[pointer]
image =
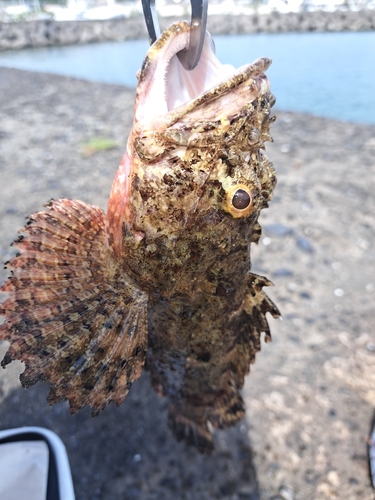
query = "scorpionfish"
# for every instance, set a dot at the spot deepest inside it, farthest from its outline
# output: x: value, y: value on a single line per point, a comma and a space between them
x: 163, y: 279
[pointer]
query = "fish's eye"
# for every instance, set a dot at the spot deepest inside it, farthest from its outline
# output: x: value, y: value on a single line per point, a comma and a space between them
x: 240, y: 200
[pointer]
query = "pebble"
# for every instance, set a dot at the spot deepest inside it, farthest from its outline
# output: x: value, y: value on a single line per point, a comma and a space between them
x: 73, y: 441
x: 361, y: 242
x: 285, y: 148
x: 282, y: 272
x: 333, y: 478
x: 133, y: 493
x: 11, y: 211
x: 305, y: 245
x: 266, y: 241
x: 292, y: 286
x: 284, y: 493
x: 279, y: 230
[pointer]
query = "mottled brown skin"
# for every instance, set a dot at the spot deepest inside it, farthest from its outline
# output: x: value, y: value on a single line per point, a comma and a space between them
x: 165, y: 278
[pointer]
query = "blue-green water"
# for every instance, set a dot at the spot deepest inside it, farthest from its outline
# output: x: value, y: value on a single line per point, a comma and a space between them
x: 327, y: 74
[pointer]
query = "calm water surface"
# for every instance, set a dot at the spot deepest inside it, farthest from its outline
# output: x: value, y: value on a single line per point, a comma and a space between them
x: 327, y: 74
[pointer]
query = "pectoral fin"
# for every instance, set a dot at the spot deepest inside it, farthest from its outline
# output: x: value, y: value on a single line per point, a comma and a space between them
x: 70, y: 314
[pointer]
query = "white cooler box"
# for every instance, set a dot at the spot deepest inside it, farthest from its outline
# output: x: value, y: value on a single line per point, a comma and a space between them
x: 34, y: 465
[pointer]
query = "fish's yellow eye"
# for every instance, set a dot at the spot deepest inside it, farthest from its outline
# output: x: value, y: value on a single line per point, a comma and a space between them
x: 239, y: 201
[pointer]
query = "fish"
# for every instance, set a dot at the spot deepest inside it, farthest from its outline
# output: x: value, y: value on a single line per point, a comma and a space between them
x: 163, y: 279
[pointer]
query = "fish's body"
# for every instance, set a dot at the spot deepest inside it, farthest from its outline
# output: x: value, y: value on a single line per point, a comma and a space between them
x: 164, y: 278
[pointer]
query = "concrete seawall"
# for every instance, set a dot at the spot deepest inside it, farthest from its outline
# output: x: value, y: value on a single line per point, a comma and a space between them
x: 48, y: 32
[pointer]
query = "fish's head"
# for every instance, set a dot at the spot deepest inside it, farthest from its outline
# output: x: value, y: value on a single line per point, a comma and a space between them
x: 195, y: 157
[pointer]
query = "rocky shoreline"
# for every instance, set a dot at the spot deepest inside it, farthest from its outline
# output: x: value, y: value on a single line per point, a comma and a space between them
x: 310, y: 395
x: 42, y: 33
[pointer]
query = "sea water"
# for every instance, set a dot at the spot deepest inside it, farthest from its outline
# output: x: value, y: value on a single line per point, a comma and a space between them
x: 327, y: 74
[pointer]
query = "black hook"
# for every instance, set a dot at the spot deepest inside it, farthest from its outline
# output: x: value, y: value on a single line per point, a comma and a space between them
x: 189, y: 58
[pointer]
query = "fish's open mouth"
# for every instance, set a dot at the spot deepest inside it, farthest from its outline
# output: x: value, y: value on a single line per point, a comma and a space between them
x: 182, y: 86
x: 171, y: 101
x: 165, y: 85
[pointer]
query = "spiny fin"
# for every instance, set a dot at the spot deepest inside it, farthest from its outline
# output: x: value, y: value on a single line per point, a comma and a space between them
x: 257, y: 304
x: 70, y: 315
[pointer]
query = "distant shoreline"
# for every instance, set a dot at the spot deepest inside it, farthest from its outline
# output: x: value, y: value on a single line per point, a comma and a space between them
x: 42, y: 33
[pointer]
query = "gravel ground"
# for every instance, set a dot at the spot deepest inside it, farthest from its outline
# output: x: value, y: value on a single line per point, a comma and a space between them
x: 310, y: 397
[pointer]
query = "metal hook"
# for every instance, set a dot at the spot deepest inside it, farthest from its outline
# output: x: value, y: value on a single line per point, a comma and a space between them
x: 189, y: 58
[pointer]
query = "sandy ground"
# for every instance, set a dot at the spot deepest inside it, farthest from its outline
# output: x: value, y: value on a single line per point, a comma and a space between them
x: 311, y: 394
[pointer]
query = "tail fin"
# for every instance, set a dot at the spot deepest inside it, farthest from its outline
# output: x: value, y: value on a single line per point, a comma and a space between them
x: 70, y: 315
x: 193, y: 430
x: 229, y: 407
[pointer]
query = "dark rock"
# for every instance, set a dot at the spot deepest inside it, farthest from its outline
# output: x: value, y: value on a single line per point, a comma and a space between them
x: 282, y: 272
x: 132, y: 493
x: 278, y: 230
x: 305, y: 245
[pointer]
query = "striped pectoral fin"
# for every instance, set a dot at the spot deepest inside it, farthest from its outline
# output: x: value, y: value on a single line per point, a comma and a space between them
x: 257, y: 304
x: 70, y: 315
